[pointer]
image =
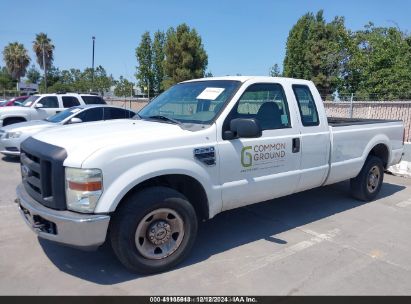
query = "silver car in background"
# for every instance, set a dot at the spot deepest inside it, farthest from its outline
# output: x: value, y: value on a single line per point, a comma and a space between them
x: 13, y: 135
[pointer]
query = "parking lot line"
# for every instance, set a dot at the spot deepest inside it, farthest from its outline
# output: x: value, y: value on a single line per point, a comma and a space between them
x: 286, y: 252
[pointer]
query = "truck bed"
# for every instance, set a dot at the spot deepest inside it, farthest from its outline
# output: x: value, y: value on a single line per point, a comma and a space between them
x: 343, y: 122
x: 351, y: 140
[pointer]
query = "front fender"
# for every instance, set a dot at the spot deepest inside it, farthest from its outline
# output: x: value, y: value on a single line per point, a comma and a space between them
x: 114, y: 192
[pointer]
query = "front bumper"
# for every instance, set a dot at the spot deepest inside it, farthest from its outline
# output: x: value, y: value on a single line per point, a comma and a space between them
x: 84, y: 231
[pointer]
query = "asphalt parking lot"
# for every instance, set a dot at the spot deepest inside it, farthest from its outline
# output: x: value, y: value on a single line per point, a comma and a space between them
x: 316, y: 242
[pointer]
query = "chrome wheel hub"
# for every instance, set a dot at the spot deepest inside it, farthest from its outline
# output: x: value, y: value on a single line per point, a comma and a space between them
x: 374, y: 177
x: 159, y: 232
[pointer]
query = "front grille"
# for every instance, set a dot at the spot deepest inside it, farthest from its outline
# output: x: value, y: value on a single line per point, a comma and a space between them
x: 43, y: 172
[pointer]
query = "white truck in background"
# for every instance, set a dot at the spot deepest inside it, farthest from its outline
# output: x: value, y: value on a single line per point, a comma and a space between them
x: 202, y: 147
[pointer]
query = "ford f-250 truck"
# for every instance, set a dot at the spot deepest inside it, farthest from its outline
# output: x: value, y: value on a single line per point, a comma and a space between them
x: 201, y: 147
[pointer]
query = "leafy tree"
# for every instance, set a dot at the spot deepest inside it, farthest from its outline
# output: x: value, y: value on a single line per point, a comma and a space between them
x: 208, y: 74
x: 6, y: 81
x: 158, y: 59
x: 275, y: 71
x: 33, y: 75
x: 185, y: 57
x: 144, y: 56
x: 102, y: 82
x: 380, y: 65
x: 17, y: 59
x: 317, y: 50
x: 123, y: 88
x: 53, y: 76
x: 74, y: 80
x: 295, y: 63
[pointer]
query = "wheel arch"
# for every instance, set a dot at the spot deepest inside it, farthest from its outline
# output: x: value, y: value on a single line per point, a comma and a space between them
x: 382, y: 152
x: 378, y: 146
x: 185, y: 184
x: 19, y: 118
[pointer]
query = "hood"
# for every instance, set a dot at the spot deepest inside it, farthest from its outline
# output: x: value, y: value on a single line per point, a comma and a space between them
x: 12, y: 109
x: 87, y: 138
x: 29, y: 126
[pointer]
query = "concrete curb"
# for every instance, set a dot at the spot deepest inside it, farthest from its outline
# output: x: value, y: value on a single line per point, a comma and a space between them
x: 404, y: 167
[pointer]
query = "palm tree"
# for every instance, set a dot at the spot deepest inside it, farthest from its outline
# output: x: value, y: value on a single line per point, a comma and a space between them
x: 43, y: 48
x: 43, y: 42
x: 17, y: 59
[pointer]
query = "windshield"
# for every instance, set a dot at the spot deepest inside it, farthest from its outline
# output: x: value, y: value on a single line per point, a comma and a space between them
x: 59, y: 117
x: 29, y: 101
x: 192, y: 102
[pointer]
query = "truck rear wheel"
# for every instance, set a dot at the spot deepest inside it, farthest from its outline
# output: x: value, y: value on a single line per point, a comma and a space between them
x: 367, y: 184
x: 153, y: 230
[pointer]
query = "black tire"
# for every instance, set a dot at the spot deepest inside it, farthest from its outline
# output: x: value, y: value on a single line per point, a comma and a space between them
x: 13, y: 121
x: 361, y: 186
x: 132, y: 214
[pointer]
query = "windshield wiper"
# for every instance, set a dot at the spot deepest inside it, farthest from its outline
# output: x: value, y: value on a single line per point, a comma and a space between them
x: 165, y: 118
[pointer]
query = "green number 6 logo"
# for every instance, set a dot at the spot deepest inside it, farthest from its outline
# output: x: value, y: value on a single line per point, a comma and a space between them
x: 246, y: 158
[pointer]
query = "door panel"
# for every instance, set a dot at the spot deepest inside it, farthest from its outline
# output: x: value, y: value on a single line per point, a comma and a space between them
x: 258, y: 169
x: 50, y: 107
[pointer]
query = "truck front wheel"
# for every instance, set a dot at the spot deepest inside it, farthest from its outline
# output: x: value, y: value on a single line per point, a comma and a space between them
x: 153, y: 230
x: 367, y: 184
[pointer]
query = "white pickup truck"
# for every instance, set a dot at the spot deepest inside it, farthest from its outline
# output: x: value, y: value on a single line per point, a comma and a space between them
x: 202, y: 147
x: 44, y: 105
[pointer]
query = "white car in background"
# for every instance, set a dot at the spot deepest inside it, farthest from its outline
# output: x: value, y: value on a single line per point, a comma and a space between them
x: 13, y: 135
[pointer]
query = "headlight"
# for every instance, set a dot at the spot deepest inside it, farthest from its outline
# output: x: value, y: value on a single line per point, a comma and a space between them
x: 83, y: 189
x: 13, y: 134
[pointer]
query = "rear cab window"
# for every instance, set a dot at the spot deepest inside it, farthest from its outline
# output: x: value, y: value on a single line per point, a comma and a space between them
x: 93, y: 114
x: 70, y: 101
x: 93, y: 100
x: 306, y: 105
x: 116, y: 113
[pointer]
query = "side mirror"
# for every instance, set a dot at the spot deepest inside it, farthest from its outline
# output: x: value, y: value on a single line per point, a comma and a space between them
x: 243, y: 128
x: 75, y: 120
x: 38, y: 105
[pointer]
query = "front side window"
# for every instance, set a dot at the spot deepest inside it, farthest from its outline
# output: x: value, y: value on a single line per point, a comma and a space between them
x: 49, y: 102
x: 306, y: 105
x: 59, y: 117
x: 29, y: 101
x: 266, y: 103
x: 197, y: 102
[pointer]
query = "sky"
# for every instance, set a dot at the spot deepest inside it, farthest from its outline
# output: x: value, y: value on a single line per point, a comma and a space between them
x: 240, y: 37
